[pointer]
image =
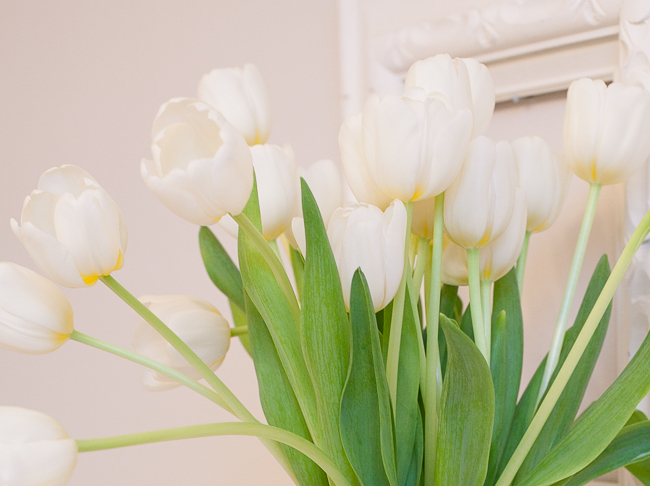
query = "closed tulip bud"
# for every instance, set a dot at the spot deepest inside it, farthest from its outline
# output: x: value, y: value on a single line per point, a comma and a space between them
x: 479, y: 204
x: 72, y: 228
x: 544, y: 177
x: 414, y: 148
x: 196, y: 322
x: 606, y: 130
x: 465, y: 82
x: 35, y: 315
x: 364, y: 236
x: 496, y: 258
x: 34, y: 449
x: 353, y: 158
x: 277, y: 187
x: 202, y: 168
x: 240, y: 96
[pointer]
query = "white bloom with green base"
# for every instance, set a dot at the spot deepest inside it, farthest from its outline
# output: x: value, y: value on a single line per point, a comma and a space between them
x: 196, y: 322
x: 239, y: 94
x: 202, y: 168
x: 34, y: 449
x: 72, y: 228
x: 35, y: 315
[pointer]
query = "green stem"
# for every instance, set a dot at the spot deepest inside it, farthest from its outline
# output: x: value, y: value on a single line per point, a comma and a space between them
x: 420, y: 265
x: 274, y: 246
x: 395, y: 338
x: 433, y: 355
x: 228, y: 428
x: 213, y: 380
x: 272, y: 260
x: 238, y: 331
x: 578, y: 257
x: 521, y: 262
x: 486, y: 302
x: 474, y: 270
x: 154, y: 365
x: 569, y: 365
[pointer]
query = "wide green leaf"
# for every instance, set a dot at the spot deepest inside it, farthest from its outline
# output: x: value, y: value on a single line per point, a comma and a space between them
x: 506, y: 362
x: 325, y: 331
x: 366, y: 417
x: 448, y: 306
x: 631, y: 445
x: 467, y: 412
x: 221, y: 269
x: 281, y: 408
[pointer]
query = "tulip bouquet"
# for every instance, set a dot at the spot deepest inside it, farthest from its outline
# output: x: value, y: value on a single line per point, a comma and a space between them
x: 372, y: 371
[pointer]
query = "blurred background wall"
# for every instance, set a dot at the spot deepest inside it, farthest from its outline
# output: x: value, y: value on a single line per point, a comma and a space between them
x: 80, y: 83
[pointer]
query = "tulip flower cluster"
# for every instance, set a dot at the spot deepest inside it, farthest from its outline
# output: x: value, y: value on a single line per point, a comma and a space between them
x: 372, y: 371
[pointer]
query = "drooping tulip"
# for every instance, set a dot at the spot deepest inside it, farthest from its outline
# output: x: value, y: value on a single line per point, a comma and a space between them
x: 240, y: 96
x: 35, y: 315
x: 363, y: 236
x: 606, y: 130
x: 414, y: 145
x: 479, y: 204
x: 202, y: 168
x: 465, y: 82
x: 545, y: 179
x: 35, y: 450
x: 496, y: 258
x: 72, y: 228
x: 196, y: 322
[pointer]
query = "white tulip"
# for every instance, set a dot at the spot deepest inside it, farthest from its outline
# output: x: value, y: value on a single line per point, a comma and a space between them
x: 544, y: 177
x: 414, y: 148
x: 278, y: 187
x: 202, y: 168
x: 196, y: 322
x: 364, y: 236
x: 34, y: 449
x: 465, y: 82
x: 496, y: 258
x: 354, y: 163
x: 72, y: 228
x: 479, y: 204
x: 35, y: 315
x: 606, y: 130
x: 423, y: 218
x: 239, y: 94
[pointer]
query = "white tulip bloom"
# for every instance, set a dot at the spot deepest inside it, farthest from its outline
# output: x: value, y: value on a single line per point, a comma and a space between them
x: 196, y: 322
x: 479, y: 204
x: 240, y: 96
x: 202, y: 168
x: 423, y: 218
x: 414, y: 148
x: 496, y: 258
x: 364, y: 236
x: 465, y: 82
x: 278, y: 187
x: 72, y: 228
x: 606, y: 130
x: 545, y: 179
x: 35, y: 315
x: 34, y: 449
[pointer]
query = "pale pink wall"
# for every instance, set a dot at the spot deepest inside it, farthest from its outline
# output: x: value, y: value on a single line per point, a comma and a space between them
x: 80, y: 83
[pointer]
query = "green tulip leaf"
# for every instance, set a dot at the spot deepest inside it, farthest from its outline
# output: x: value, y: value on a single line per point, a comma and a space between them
x: 325, y: 331
x: 240, y: 320
x: 221, y: 269
x: 448, y: 306
x: 467, y: 412
x: 298, y: 265
x: 366, y: 416
x: 281, y: 408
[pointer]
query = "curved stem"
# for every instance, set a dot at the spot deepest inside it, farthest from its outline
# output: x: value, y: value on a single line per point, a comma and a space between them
x: 486, y: 304
x: 154, y: 365
x: 433, y: 356
x: 273, y: 261
x: 576, y: 353
x: 394, y: 340
x: 474, y: 270
x: 521, y: 262
x: 238, y: 331
x: 576, y: 265
x: 228, y: 428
